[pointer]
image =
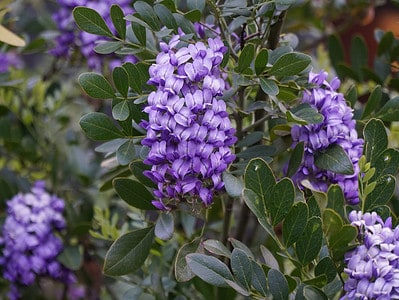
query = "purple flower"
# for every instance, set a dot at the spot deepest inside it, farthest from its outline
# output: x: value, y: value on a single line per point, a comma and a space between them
x: 337, y: 128
x: 188, y: 131
x: 28, y: 237
x: 8, y: 60
x: 372, y: 267
x: 71, y: 37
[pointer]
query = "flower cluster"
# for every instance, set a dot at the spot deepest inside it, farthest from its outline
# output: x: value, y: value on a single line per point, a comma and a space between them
x: 373, y: 266
x: 30, y: 244
x: 9, y: 59
x: 189, y: 131
x: 69, y: 35
x: 337, y: 128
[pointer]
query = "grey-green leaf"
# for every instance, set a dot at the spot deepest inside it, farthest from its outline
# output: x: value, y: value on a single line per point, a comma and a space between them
x: 164, y: 226
x: 278, y: 285
x: 126, y: 153
x: 182, y: 271
x: 246, y: 57
x: 96, y: 86
x: 108, y: 47
x: 233, y: 185
x: 147, y: 14
x: 241, y: 267
x: 121, y: 110
x: 91, y: 21
x: 269, y: 86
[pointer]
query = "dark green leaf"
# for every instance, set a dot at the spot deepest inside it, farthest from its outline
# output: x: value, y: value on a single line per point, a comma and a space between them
x: 376, y: 140
x: 182, y: 271
x: 342, y: 238
x: 296, y: 159
x: 121, y: 80
x: 259, y: 151
x: 134, y: 76
x: 319, y: 281
x: 217, y: 247
x: 193, y: 15
x: 385, y: 42
x: 99, y: 127
x: 309, y: 244
x: 334, y: 159
x: 133, y: 193
x: 126, y: 153
x: 314, y: 208
x: 107, y: 47
x: 121, y: 110
x: 147, y: 14
x: 390, y: 111
x: 269, y: 86
x: 140, y: 33
x: 387, y: 163
x: 165, y: 226
x: 128, y: 252
x: 209, y: 269
x: 196, y: 4
x: 71, y: 257
x: 137, y: 168
x: 358, y: 54
x: 233, y: 185
x: 351, y: 95
x: 184, y: 23
x: 381, y: 194
x: 295, y: 223
x: 96, y: 86
x: 241, y: 267
x: 327, y: 267
x: 332, y: 223
x: 166, y: 17
x: 290, y: 64
x: 246, y: 57
x: 118, y: 20
x: 304, y: 114
x: 281, y: 200
x: 258, y: 279
x: 278, y: 285
x: 90, y: 21
x: 261, y: 61
x: 336, y: 199
x: 251, y: 139
x: 311, y: 292
x: 373, y: 101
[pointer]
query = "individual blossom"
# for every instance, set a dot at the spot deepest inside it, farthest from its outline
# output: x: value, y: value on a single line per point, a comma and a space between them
x: 29, y: 239
x: 71, y: 37
x: 373, y: 266
x: 337, y: 128
x: 189, y: 132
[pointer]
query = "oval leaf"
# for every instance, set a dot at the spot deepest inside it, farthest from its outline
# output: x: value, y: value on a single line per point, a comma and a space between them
x: 278, y: 285
x: 118, y: 19
x: 182, y: 271
x: 99, y: 127
x: 246, y: 57
x: 126, y: 152
x: 121, y: 80
x: 281, y: 200
x: 241, y: 267
x: 269, y: 86
x: 133, y: 193
x: 295, y: 223
x: 147, y: 14
x: 90, y: 21
x: 96, y: 86
x: 290, y: 64
x: 334, y: 159
x: 165, y: 226
x: 309, y: 244
x: 233, y: 185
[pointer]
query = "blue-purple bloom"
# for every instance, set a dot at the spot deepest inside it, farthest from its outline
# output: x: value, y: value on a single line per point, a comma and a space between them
x: 337, y: 128
x: 373, y: 266
x: 71, y: 37
x: 189, y: 132
x: 8, y: 60
x: 29, y: 238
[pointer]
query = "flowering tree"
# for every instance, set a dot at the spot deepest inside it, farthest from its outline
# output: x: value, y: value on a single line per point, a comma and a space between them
x: 246, y: 170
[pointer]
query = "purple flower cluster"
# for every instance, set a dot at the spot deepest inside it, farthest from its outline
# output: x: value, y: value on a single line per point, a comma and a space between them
x: 189, y: 131
x: 373, y: 266
x: 337, y: 128
x: 69, y: 35
x: 30, y: 244
x: 8, y: 60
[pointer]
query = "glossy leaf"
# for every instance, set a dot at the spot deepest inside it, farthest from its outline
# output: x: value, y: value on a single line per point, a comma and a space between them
x: 295, y: 223
x: 246, y: 57
x: 133, y: 193
x: 327, y: 267
x: 164, y: 227
x: 209, y: 269
x: 91, y: 21
x: 128, y: 252
x: 296, y: 159
x: 96, y: 86
x: 269, y: 86
x: 147, y: 14
x: 117, y: 17
x: 390, y: 111
x: 121, y: 80
x: 281, y: 200
x: 290, y: 64
x: 376, y: 140
x: 99, y: 127
x: 373, y: 101
x: 334, y: 159
x: 241, y: 267
x: 182, y: 271
x: 261, y: 61
x: 309, y: 244
x: 381, y: 194
x: 278, y: 285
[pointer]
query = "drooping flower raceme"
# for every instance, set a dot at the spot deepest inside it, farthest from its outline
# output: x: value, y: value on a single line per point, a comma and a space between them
x: 337, y: 128
x: 189, y: 132
x: 29, y: 240
x: 373, y: 266
x: 70, y: 37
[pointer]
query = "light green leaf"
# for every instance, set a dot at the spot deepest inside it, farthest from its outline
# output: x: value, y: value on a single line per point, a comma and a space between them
x: 91, y: 21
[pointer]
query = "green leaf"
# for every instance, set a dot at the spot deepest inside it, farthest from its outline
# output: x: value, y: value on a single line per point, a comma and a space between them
x: 118, y: 19
x: 184, y: 23
x: 336, y: 199
x: 134, y: 74
x: 121, y: 110
x: 140, y: 33
x: 121, y: 80
x: 147, y: 14
x: 309, y: 244
x: 126, y: 153
x: 327, y: 267
x: 96, y: 86
x: 334, y: 159
x: 335, y: 51
x: 351, y: 95
x: 281, y: 200
x: 182, y: 271
x: 358, y: 54
x: 296, y: 159
x: 251, y: 139
x: 240, y: 245
x: 390, y: 111
x: 332, y: 223
x: 165, y: 226
x: 269, y: 260
x: 238, y: 288
x: 246, y: 57
x: 278, y: 285
x: 193, y: 15
x: 261, y: 61
x: 71, y: 257
x: 375, y: 139
x: 258, y: 279
x: 260, y: 179
x: 128, y: 252
x: 387, y: 163
x: 381, y: 194
x: 304, y: 114
x: 385, y: 43
x: 90, y: 21
x: 166, y: 17
x: 133, y: 193
x: 108, y: 47
x: 99, y: 127
x: 217, y: 248
x: 209, y: 269
x: 311, y: 292
x: 269, y: 86
x: 137, y: 168
x: 373, y: 101
x: 233, y: 185
x: 290, y: 64
x: 295, y: 223
x: 342, y: 238
x: 196, y: 4
x: 241, y: 267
